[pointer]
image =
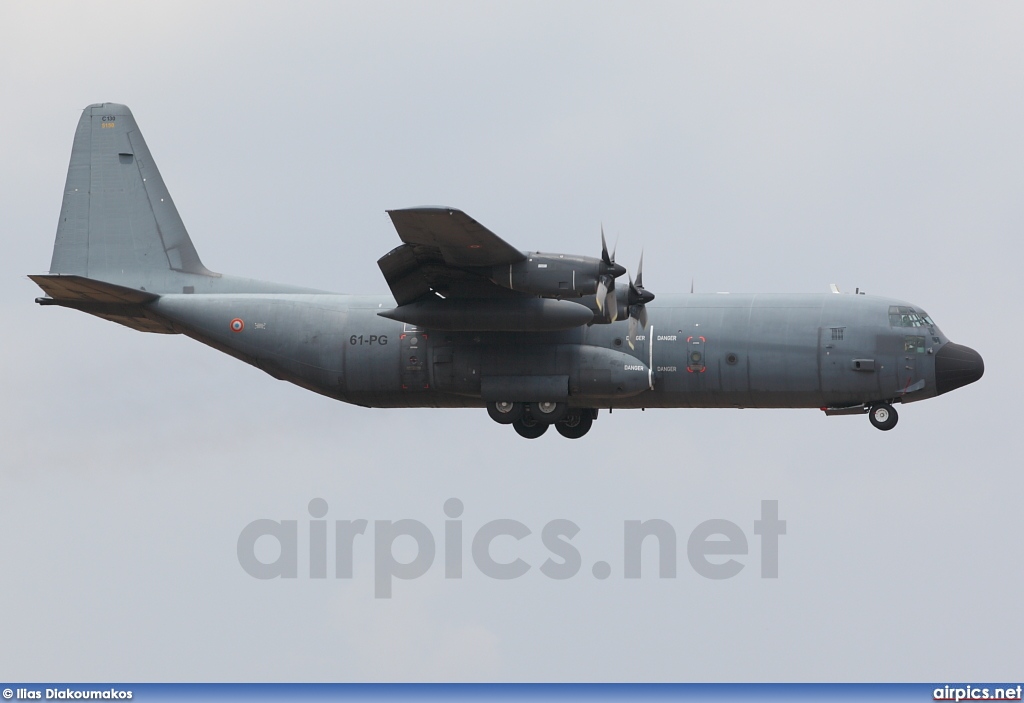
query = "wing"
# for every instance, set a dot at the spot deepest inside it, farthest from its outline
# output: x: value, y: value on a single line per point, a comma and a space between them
x: 446, y: 251
x: 460, y: 240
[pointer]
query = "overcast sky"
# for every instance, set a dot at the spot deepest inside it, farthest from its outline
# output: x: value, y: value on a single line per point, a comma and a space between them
x: 750, y: 147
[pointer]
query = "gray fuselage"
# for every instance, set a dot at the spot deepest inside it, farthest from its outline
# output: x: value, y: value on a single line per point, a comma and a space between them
x: 765, y: 351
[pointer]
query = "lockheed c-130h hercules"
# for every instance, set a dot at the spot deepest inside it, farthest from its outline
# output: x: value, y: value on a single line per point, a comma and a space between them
x: 538, y: 339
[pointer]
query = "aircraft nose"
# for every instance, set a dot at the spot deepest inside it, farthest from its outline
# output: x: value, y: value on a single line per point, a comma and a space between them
x: 955, y: 366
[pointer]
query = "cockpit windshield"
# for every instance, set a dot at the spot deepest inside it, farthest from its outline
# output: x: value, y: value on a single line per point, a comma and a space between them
x: 906, y: 316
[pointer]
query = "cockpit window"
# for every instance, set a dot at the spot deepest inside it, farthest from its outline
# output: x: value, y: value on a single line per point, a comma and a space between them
x: 913, y: 344
x: 906, y: 316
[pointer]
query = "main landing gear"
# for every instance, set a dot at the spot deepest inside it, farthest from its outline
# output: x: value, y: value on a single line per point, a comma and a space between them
x: 883, y: 416
x: 531, y: 420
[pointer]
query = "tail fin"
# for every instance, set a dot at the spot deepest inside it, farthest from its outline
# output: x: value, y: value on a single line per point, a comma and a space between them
x: 117, y: 217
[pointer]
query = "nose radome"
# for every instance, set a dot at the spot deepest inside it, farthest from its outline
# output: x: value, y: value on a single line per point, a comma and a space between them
x: 955, y: 366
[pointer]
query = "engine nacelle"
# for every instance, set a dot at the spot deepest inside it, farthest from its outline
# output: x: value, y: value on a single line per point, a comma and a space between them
x: 607, y: 373
x: 554, y: 275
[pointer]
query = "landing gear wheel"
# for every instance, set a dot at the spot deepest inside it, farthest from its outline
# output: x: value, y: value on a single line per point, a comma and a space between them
x: 504, y: 412
x: 883, y: 416
x: 575, y: 425
x: 548, y: 411
x: 529, y: 428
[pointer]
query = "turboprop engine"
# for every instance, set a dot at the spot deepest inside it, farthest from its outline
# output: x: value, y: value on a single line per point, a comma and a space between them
x: 563, y: 275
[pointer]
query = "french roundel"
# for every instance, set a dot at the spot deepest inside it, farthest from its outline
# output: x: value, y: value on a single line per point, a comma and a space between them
x: 237, y: 325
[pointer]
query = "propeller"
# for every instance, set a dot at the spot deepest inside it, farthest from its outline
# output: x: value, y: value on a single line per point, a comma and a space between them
x: 606, y: 281
x: 637, y: 303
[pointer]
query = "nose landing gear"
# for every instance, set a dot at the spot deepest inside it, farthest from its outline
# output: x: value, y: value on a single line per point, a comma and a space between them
x: 883, y: 416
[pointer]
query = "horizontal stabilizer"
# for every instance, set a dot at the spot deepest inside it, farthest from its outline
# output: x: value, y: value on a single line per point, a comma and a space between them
x: 125, y: 306
x: 79, y: 288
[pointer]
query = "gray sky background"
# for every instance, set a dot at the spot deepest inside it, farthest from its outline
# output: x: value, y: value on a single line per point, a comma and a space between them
x: 753, y: 147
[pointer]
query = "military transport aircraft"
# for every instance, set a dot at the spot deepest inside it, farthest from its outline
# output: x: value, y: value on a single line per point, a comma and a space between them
x: 538, y: 339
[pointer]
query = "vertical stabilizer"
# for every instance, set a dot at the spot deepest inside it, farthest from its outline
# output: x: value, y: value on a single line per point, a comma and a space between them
x: 117, y: 217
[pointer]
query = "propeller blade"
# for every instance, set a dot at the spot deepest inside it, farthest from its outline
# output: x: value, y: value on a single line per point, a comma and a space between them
x: 604, y: 249
x: 602, y: 292
x: 612, y: 305
x: 632, y: 331
x: 638, y: 299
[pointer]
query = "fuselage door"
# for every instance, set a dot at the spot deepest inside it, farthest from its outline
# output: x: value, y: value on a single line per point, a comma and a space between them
x: 907, y: 363
x: 696, y: 361
x: 849, y: 366
x: 413, y: 359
